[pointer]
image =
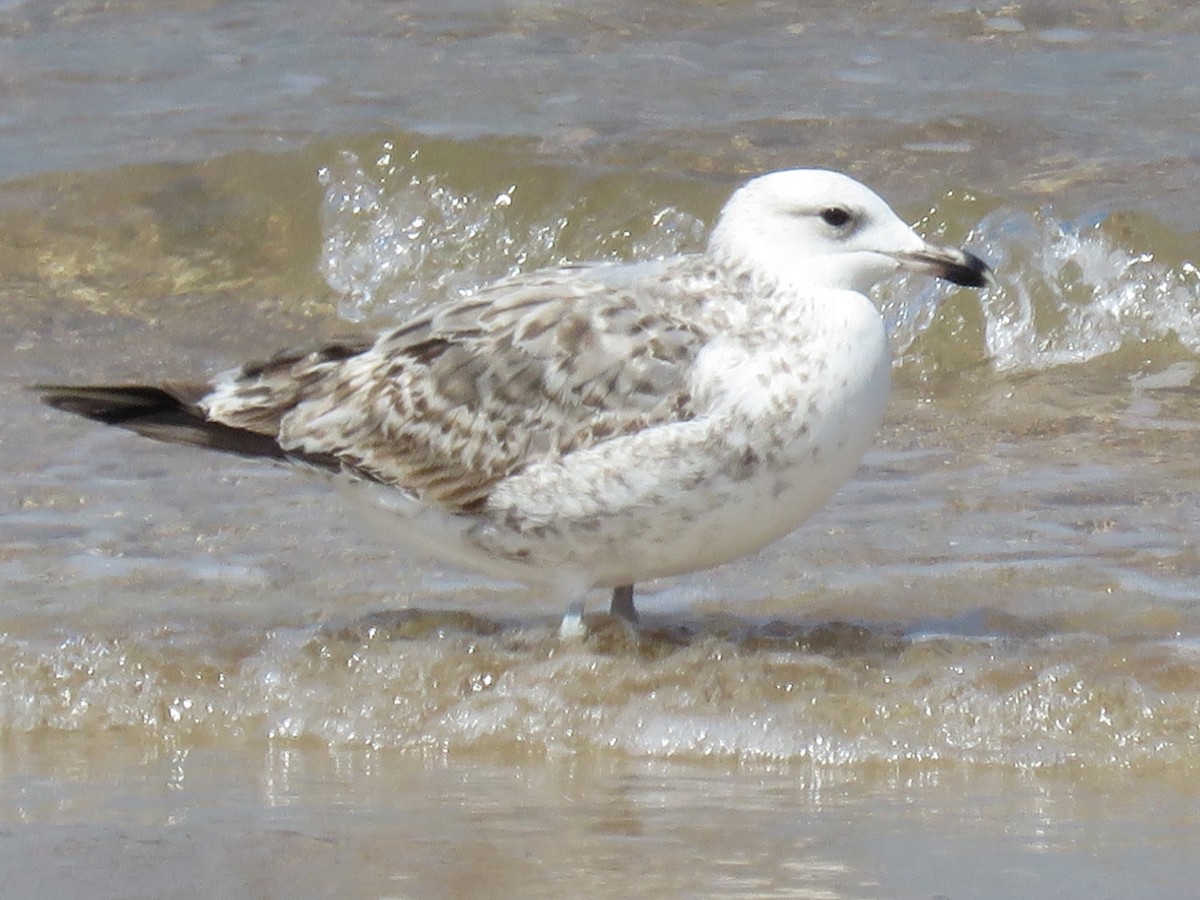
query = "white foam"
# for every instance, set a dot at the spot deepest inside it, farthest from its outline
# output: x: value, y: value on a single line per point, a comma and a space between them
x: 1068, y: 293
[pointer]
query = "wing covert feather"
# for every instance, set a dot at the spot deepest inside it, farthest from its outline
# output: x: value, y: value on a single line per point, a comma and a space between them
x: 449, y: 404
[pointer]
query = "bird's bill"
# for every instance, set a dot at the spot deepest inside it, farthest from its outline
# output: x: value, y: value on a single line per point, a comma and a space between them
x: 957, y: 266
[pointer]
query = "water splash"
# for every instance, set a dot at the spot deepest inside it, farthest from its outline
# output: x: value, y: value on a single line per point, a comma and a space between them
x: 844, y: 698
x: 396, y: 242
x: 1068, y: 293
x: 1079, y: 294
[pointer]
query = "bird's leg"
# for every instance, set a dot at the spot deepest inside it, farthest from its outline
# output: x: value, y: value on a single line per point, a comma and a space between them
x: 572, y: 627
x: 622, y: 603
x: 572, y: 589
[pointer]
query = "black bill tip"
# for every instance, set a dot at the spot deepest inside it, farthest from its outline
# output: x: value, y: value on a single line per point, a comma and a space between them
x: 956, y: 266
x: 971, y: 271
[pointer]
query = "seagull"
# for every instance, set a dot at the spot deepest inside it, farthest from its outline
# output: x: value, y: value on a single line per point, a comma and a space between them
x: 593, y: 425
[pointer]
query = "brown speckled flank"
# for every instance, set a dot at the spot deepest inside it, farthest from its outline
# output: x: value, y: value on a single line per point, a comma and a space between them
x: 596, y: 425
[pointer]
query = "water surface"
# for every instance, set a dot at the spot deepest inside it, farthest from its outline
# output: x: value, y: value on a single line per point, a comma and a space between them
x: 974, y: 674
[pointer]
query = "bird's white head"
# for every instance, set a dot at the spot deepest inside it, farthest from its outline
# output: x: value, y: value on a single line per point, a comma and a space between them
x: 818, y: 228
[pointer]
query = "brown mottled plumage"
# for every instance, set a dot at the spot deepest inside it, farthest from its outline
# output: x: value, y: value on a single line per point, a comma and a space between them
x: 451, y: 403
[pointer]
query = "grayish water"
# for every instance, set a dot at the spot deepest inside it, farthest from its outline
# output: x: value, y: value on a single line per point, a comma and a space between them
x: 976, y: 673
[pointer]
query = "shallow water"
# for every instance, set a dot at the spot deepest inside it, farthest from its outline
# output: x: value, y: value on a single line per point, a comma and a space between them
x: 974, y: 674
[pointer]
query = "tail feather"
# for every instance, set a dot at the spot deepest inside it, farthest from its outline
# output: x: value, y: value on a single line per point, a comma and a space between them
x: 160, y: 414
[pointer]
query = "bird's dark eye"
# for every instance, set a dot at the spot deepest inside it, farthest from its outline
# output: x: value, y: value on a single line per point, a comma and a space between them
x: 835, y: 216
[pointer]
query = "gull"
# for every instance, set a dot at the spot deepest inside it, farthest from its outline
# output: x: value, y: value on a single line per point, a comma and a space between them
x: 596, y: 425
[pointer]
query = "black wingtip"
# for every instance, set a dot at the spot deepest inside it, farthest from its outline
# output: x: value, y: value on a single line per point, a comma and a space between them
x: 159, y: 414
x: 112, y: 405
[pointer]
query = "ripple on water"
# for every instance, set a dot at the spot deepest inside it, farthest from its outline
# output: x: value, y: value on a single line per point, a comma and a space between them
x: 839, y: 694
